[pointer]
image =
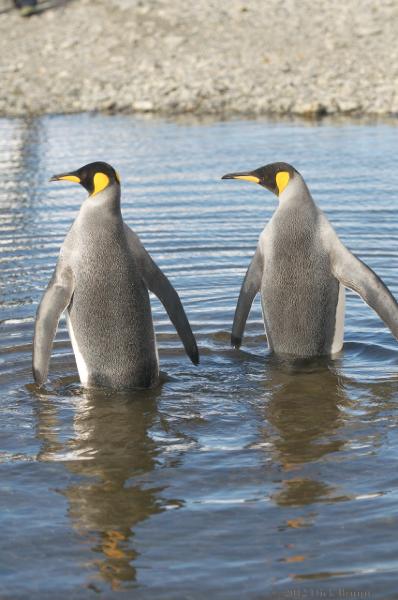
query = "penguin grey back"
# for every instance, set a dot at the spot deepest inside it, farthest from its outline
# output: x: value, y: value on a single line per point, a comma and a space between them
x: 110, y: 316
x: 298, y: 291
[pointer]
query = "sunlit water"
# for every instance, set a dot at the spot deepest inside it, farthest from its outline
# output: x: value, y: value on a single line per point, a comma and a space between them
x: 240, y: 478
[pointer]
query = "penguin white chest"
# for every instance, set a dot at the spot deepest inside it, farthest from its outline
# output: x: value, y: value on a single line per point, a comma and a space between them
x: 338, y: 339
x: 303, y: 304
x: 80, y: 362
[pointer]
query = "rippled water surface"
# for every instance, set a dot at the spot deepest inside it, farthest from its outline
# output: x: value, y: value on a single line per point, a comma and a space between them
x: 240, y: 478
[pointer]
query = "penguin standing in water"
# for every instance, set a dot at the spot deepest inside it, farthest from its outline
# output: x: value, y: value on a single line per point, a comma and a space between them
x: 101, y: 280
x: 301, y: 268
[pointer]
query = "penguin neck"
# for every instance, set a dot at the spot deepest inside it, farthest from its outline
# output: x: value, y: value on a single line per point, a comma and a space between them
x: 102, y: 207
x: 296, y: 195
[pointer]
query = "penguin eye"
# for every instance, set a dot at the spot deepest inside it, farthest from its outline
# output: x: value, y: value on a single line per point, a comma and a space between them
x: 282, y: 179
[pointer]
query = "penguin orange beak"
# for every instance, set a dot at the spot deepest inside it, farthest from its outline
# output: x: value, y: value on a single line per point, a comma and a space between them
x: 66, y: 177
x: 246, y: 176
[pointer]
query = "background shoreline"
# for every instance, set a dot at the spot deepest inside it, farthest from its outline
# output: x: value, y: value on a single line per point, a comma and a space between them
x: 246, y: 59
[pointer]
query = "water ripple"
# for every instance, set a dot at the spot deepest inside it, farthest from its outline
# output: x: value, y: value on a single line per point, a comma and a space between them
x: 260, y: 461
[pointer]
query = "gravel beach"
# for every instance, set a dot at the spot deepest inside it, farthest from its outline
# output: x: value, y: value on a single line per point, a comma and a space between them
x: 208, y: 57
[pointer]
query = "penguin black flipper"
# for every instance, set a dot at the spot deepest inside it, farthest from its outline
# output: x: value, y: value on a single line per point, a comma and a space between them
x: 55, y: 300
x: 358, y: 277
x: 250, y: 286
x: 157, y: 282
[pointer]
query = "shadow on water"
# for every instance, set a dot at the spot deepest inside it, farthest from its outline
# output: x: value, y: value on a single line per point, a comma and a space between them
x: 109, y: 456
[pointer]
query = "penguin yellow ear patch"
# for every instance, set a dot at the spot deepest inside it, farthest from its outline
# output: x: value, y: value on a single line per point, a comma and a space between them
x: 101, y: 181
x: 282, y: 179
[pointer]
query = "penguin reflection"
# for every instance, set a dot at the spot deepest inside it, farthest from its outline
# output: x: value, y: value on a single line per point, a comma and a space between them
x: 111, y: 446
x: 305, y: 413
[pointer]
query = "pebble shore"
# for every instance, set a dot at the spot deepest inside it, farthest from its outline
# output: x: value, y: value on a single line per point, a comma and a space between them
x: 208, y: 57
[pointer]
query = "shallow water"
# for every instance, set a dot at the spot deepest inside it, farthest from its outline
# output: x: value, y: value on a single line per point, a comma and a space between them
x: 243, y: 477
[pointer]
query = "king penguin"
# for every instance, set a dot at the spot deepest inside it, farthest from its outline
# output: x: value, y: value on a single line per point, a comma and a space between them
x: 101, y: 282
x: 301, y: 268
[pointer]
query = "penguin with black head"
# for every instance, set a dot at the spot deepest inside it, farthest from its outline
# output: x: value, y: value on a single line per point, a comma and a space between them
x: 101, y: 282
x: 301, y: 268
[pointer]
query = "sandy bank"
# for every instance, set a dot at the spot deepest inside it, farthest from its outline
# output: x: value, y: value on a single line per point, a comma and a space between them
x: 204, y: 57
